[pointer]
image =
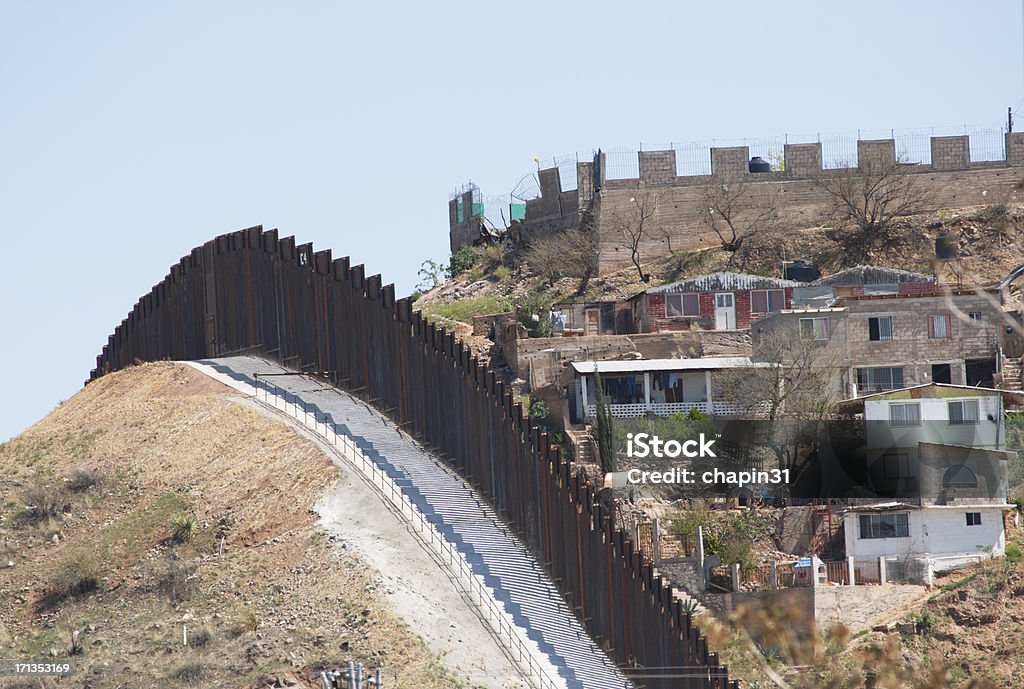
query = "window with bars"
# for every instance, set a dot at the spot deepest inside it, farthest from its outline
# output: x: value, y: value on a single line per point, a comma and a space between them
x: 963, y: 412
x: 813, y: 328
x: 767, y: 300
x: 939, y: 326
x: 880, y: 328
x: 904, y: 414
x: 682, y: 305
x: 895, y: 525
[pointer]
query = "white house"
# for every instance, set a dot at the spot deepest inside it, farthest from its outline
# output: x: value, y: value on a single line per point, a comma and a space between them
x: 658, y: 386
x: 940, y: 451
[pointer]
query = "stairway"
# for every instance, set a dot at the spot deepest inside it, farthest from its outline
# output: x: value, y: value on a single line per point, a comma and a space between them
x: 467, y: 521
x: 583, y: 446
x: 1011, y: 374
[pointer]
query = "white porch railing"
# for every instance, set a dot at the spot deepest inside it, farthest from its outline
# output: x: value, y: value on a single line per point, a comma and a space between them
x: 632, y: 411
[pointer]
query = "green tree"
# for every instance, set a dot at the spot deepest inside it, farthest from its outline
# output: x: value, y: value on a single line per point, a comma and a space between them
x: 605, y: 427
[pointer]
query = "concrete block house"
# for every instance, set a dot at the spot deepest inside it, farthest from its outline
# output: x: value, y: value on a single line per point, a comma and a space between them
x: 720, y: 301
x: 938, y: 453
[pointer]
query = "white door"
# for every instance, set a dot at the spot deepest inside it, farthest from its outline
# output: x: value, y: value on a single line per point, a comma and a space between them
x: 725, y: 311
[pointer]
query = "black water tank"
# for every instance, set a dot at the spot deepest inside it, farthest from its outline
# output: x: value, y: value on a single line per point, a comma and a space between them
x: 802, y: 271
x: 759, y: 164
x: 945, y: 247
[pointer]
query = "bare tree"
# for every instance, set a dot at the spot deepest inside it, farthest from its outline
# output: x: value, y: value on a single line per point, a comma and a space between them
x: 633, y: 224
x: 734, y: 209
x: 869, y: 203
x: 572, y: 253
x: 794, y: 390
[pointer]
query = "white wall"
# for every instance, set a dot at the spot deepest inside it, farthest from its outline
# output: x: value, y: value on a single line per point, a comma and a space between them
x: 935, y: 531
x: 935, y: 426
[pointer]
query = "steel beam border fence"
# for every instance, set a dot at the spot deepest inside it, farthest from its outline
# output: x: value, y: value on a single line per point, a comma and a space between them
x: 252, y: 292
x: 506, y: 632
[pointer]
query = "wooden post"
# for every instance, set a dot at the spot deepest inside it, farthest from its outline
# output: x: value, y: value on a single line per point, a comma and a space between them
x: 656, y: 540
x: 734, y: 570
x: 773, y: 576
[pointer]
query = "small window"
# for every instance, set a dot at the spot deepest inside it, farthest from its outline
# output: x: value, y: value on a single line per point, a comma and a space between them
x: 905, y: 414
x: 767, y: 300
x: 938, y: 327
x: 813, y: 328
x: 880, y: 328
x: 885, y: 525
x: 963, y: 412
x: 682, y: 305
x: 975, y: 316
x: 973, y: 518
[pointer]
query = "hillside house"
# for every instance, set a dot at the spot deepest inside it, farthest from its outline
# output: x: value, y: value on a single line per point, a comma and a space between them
x: 859, y: 281
x: 720, y: 301
x: 938, y: 453
x: 656, y: 386
x: 881, y: 342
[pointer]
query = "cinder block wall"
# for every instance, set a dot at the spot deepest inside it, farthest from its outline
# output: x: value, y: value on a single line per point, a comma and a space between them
x: 952, y: 180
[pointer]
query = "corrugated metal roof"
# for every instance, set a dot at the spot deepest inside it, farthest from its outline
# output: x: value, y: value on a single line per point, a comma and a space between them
x: 717, y: 282
x: 871, y: 275
x: 640, y: 365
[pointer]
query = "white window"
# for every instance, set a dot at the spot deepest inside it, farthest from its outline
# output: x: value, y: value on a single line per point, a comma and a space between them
x: 813, y: 328
x: 904, y: 414
x: 767, y: 300
x: 938, y: 327
x: 973, y: 518
x: 879, y: 379
x: 880, y: 328
x: 682, y: 305
x: 895, y: 525
x: 963, y: 412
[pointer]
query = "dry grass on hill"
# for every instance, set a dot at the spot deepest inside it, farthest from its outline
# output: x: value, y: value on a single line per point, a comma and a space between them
x: 86, y: 515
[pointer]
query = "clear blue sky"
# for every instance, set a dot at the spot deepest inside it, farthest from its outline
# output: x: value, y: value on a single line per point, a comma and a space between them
x: 132, y: 132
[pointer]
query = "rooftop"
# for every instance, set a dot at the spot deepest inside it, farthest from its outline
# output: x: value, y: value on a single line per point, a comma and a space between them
x: 643, y: 365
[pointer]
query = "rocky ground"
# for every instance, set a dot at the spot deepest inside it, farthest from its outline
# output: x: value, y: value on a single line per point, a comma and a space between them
x: 260, y: 595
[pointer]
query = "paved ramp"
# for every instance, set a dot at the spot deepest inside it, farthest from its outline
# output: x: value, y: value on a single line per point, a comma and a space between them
x: 466, y: 520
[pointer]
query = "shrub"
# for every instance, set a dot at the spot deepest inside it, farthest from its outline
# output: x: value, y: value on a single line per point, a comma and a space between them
x: 178, y: 581
x: 78, y: 578
x: 1014, y: 553
x: 43, y: 501
x: 533, y: 311
x: 538, y: 410
x: 464, y: 258
x: 82, y: 480
x: 200, y: 637
x: 247, y: 623
x: 926, y: 620
x: 185, y: 527
x: 192, y: 672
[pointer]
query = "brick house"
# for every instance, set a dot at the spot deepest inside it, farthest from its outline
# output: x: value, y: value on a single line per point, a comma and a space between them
x: 720, y: 301
x: 926, y: 334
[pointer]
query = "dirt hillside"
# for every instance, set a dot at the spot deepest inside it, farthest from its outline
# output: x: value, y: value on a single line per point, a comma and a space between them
x: 91, y: 569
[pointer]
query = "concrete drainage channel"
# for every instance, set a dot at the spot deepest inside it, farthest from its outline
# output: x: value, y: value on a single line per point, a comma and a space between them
x: 510, y: 591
